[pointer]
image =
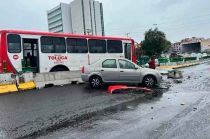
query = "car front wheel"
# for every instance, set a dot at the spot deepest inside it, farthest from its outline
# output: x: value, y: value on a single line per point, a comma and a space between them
x: 95, y: 82
x: 149, y: 81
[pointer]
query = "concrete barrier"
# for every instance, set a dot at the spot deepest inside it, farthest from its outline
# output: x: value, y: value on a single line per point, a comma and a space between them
x: 7, y: 78
x: 27, y: 81
x: 7, y: 83
x: 26, y: 86
x: 10, y: 82
x: 4, y: 89
x: 56, y: 78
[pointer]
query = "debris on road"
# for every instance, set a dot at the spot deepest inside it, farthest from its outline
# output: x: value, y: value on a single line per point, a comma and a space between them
x: 124, y: 89
x: 177, y: 81
x: 194, y: 109
x: 175, y: 74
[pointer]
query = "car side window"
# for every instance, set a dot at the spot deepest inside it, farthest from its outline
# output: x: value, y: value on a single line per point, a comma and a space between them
x: 126, y: 64
x: 110, y: 63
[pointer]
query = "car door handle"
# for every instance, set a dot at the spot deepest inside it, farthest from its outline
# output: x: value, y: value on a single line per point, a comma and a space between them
x: 121, y: 71
x: 102, y: 70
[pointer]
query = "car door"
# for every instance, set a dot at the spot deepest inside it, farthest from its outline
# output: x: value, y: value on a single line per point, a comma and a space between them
x: 128, y: 71
x: 109, y: 70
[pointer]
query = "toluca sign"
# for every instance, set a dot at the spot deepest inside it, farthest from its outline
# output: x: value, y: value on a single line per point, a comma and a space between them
x: 58, y: 58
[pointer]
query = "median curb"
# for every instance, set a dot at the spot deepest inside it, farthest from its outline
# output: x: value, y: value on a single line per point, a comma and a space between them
x: 164, y: 70
x: 26, y: 86
x: 181, y: 65
x: 6, y: 89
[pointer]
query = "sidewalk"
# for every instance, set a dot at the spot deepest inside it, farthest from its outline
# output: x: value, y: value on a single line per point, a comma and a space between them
x: 178, y: 66
x: 163, y: 69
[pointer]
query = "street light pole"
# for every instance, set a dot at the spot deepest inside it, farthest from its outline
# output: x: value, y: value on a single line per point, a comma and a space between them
x: 127, y: 34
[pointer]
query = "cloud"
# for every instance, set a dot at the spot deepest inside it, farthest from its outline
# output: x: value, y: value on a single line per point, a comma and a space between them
x: 178, y: 18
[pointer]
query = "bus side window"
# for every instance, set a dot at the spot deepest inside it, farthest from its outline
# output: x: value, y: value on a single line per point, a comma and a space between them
x: 47, y: 45
x: 76, y: 45
x: 53, y: 44
x: 14, y: 43
x: 114, y: 46
x: 60, y: 45
x: 97, y: 46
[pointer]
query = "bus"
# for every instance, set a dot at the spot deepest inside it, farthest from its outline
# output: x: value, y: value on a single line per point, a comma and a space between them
x: 40, y: 52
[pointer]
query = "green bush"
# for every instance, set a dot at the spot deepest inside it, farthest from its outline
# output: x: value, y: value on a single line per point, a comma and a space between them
x: 190, y: 58
x: 163, y: 60
x: 177, y: 59
x: 205, y: 57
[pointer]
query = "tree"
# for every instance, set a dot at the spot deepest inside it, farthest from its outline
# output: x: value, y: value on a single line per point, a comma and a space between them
x: 155, y: 42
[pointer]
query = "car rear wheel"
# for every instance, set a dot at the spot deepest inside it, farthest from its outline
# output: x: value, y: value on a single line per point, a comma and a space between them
x: 149, y: 81
x: 95, y: 82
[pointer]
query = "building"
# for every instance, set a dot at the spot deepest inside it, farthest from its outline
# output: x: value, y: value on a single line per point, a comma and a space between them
x: 59, y: 19
x: 205, y: 45
x: 78, y: 17
x: 191, y: 45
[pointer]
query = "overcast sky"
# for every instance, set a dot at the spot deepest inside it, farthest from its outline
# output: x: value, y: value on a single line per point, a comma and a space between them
x: 177, y: 18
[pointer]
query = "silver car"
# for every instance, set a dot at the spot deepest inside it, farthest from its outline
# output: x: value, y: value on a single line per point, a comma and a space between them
x: 119, y: 70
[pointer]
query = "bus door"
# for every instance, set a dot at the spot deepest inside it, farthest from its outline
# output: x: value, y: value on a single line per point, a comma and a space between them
x: 30, y: 62
x: 127, y: 51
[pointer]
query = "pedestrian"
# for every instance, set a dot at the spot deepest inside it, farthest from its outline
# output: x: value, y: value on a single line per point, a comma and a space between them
x: 152, y: 63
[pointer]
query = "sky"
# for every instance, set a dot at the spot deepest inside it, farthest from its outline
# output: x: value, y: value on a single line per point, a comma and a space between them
x: 179, y: 19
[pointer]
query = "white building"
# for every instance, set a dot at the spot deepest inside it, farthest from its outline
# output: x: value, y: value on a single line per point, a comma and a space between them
x: 78, y: 17
x: 59, y: 19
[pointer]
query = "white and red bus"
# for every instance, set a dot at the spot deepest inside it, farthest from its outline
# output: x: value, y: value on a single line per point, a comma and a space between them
x: 49, y: 52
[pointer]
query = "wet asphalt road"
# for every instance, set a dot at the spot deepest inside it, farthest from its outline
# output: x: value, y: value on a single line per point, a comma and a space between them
x: 182, y: 112
x: 78, y: 112
x: 34, y: 113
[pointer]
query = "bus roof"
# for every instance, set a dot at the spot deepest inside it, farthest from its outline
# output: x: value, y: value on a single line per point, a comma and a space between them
x: 62, y: 34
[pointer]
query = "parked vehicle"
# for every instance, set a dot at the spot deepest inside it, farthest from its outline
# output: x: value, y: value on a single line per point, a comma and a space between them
x: 119, y: 70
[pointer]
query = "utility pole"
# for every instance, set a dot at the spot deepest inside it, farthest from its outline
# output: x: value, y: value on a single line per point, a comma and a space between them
x: 127, y: 34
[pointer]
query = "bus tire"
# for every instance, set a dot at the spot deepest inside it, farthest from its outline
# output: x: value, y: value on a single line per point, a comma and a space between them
x: 59, y: 68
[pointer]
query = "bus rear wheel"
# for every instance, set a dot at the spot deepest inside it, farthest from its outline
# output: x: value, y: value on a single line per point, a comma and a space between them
x: 59, y: 68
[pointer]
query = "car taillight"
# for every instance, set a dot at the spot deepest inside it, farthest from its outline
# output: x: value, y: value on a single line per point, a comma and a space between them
x: 83, y: 70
